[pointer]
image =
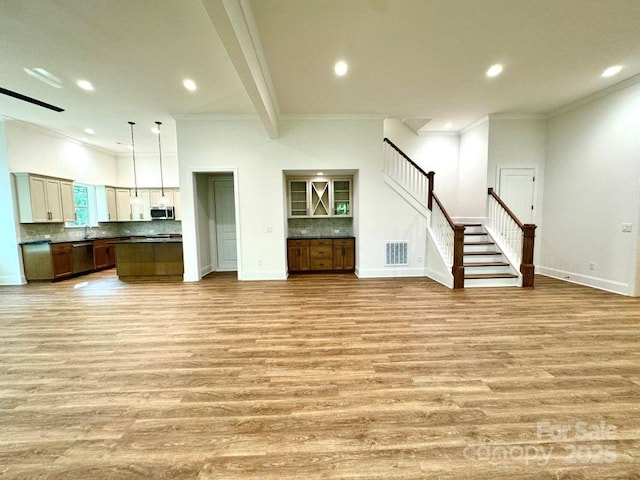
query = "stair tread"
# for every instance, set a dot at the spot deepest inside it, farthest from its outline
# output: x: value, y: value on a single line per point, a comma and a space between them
x: 486, y: 264
x: 472, y: 276
x: 480, y: 243
x: 489, y: 252
x: 472, y: 224
x: 477, y: 233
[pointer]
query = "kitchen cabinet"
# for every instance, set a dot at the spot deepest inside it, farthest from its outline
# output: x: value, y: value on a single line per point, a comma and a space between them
x: 298, y: 255
x: 156, y: 197
x: 104, y: 253
x: 321, y: 255
x: 344, y: 254
x: 320, y: 197
x: 61, y: 260
x: 114, y: 204
x: 140, y: 206
x: 43, y: 199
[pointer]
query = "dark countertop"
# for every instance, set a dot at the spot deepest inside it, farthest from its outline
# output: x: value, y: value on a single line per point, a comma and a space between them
x: 149, y: 240
x: 173, y: 238
x: 325, y: 237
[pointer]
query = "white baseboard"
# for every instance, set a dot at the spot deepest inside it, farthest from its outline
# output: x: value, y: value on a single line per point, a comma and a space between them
x: 12, y: 280
x: 206, y: 270
x: 439, y: 277
x: 586, y: 280
x: 390, y: 272
x: 262, y: 275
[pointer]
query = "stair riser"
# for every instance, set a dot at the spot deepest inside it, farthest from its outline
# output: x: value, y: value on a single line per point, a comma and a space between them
x: 476, y: 238
x: 474, y: 229
x: 482, y: 258
x: 479, y: 248
x: 491, y: 282
x: 505, y: 269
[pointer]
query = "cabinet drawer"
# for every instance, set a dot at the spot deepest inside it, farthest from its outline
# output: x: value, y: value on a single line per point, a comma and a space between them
x: 343, y: 242
x: 321, y: 252
x: 321, y: 264
x: 61, y: 248
x: 298, y: 243
x: 321, y: 242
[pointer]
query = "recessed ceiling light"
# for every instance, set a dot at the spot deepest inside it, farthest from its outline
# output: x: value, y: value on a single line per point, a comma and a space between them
x: 448, y: 126
x: 85, y: 85
x: 189, y: 84
x: 611, y: 71
x: 341, y: 68
x: 494, y: 70
x: 320, y: 174
x: 90, y: 131
x: 44, y: 76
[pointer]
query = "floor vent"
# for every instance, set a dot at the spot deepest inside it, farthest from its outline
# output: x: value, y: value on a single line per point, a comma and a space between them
x: 397, y: 253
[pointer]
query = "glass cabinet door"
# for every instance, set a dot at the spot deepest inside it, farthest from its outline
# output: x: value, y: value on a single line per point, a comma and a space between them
x: 298, y: 198
x: 320, y: 205
x: 342, y: 197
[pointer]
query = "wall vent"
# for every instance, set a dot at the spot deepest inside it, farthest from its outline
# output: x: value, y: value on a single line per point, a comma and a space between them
x: 396, y: 253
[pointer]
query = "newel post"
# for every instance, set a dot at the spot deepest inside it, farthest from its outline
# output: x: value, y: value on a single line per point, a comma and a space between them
x: 527, y: 268
x: 458, y: 256
x: 430, y: 176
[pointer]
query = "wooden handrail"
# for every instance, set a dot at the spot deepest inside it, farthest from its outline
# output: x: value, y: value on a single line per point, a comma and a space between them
x: 527, y: 268
x: 404, y: 155
x: 444, y: 212
x: 492, y: 193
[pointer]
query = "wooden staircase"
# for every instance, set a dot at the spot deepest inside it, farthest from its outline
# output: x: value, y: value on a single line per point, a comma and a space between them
x: 484, y: 263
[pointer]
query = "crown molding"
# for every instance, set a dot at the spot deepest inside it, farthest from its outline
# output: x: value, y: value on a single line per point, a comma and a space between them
x: 52, y: 133
x: 218, y: 117
x: 595, y: 96
x: 517, y: 116
x: 475, y: 124
x: 334, y: 116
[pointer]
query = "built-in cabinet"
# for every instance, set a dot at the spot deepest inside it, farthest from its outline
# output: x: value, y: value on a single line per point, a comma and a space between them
x: 43, y: 199
x: 61, y: 261
x: 320, y: 197
x: 321, y: 254
x: 123, y: 205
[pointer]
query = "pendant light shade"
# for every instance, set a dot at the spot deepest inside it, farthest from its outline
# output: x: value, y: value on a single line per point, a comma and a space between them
x: 135, y: 200
x: 164, y: 200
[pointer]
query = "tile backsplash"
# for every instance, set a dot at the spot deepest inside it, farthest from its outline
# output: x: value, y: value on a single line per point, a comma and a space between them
x: 57, y: 231
x: 320, y: 227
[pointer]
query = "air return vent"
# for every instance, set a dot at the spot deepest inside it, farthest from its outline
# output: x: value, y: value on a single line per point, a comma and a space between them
x: 396, y: 253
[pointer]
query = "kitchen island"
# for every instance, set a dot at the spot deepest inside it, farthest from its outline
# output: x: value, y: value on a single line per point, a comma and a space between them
x: 149, y: 258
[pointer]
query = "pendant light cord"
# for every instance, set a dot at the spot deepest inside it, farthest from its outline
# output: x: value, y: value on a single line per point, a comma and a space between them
x: 133, y: 149
x: 160, y: 152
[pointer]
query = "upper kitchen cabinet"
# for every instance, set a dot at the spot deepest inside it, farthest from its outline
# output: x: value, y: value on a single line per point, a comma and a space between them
x: 177, y: 206
x: 43, y: 199
x: 140, y: 205
x: 320, y: 197
x: 156, y: 197
x: 114, y: 204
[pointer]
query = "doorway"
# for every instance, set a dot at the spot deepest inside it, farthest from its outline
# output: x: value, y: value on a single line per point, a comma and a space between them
x: 223, y: 223
x: 516, y: 188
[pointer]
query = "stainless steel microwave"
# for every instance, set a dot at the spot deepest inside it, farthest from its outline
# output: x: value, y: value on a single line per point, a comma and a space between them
x: 162, y: 213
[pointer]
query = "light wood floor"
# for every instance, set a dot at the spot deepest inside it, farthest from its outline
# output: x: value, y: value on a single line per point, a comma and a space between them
x: 317, y: 377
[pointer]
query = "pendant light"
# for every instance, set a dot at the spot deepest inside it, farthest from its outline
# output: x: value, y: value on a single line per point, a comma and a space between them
x: 164, y: 200
x: 135, y: 200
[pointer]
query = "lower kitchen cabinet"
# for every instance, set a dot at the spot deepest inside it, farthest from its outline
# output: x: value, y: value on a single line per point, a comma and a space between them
x: 344, y: 254
x: 321, y: 255
x: 104, y: 253
x: 61, y: 261
x: 298, y: 255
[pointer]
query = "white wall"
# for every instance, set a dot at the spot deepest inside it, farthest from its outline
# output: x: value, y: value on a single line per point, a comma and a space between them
x: 147, y: 170
x: 10, y: 261
x: 592, y: 186
x: 436, y: 152
x: 36, y: 150
x: 207, y: 145
x: 519, y: 142
x: 472, y: 172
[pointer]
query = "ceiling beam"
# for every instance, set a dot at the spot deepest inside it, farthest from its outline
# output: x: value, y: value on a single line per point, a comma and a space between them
x: 235, y: 23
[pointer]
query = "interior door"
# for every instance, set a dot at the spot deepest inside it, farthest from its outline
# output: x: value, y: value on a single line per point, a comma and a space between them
x: 225, y: 212
x: 516, y: 189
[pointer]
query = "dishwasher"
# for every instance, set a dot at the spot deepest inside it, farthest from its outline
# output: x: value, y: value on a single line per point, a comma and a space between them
x: 82, y: 256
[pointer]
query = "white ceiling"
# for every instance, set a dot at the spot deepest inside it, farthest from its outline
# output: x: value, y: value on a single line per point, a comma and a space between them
x: 420, y: 59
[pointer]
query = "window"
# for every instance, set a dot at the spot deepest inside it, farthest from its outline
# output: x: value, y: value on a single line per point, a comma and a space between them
x: 82, y: 201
